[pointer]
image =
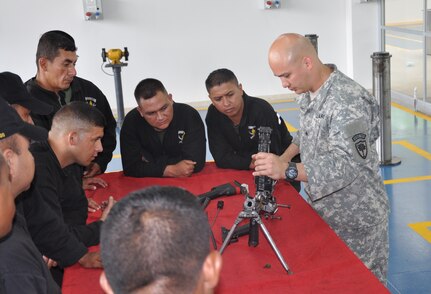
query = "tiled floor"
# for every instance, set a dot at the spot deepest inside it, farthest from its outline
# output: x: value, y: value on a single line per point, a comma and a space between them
x: 407, y: 185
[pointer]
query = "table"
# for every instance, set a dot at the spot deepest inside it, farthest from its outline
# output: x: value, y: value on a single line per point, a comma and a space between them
x: 319, y: 260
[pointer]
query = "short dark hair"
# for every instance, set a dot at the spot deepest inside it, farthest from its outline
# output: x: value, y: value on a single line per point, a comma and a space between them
x: 78, y: 115
x: 148, y: 88
x: 51, y: 42
x: 155, y: 237
x: 220, y: 76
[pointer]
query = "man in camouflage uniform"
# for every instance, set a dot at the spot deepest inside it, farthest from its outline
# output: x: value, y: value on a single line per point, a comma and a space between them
x: 339, y: 123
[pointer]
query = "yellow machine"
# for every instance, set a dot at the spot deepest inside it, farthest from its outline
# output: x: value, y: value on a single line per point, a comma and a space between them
x: 115, y: 55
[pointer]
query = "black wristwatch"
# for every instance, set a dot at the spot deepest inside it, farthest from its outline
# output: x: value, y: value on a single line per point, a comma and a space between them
x: 291, y: 171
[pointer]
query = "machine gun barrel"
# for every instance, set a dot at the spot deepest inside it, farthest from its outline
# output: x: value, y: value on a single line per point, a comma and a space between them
x: 239, y: 231
x: 218, y: 191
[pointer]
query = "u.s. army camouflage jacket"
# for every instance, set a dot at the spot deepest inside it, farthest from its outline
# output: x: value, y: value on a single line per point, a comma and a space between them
x: 338, y: 131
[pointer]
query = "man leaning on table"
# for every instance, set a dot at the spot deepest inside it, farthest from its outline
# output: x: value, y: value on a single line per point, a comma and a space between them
x: 161, y: 138
x: 57, y: 223
x: 233, y: 120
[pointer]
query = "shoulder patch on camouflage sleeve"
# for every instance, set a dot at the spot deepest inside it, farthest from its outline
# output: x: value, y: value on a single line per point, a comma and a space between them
x: 361, y: 144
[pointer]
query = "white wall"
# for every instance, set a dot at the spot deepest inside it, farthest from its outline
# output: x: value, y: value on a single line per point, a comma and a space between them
x: 181, y: 42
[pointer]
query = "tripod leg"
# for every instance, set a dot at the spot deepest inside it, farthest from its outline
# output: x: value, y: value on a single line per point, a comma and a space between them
x: 213, y: 239
x: 272, y: 243
x: 231, y: 231
x: 253, y: 233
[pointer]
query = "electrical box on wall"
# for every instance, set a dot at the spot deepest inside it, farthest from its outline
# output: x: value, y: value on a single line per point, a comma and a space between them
x: 270, y: 4
x: 92, y: 9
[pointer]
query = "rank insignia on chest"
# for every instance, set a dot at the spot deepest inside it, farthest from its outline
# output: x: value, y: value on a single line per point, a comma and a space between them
x: 181, y: 135
x: 361, y: 144
x: 252, y: 131
x: 90, y: 101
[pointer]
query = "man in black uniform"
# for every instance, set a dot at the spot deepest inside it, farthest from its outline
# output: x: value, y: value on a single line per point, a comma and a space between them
x: 22, y: 269
x: 160, y: 138
x: 233, y: 120
x: 56, y: 83
x: 56, y: 223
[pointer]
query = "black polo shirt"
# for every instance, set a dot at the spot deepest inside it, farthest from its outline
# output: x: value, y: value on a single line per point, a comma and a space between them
x: 144, y: 154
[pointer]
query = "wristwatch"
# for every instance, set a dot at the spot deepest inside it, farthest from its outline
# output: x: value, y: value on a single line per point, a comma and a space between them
x: 291, y: 171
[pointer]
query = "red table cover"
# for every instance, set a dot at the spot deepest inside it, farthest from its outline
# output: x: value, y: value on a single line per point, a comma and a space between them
x: 320, y: 262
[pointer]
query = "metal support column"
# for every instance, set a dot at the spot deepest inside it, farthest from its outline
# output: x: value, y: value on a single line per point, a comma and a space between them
x: 116, y: 68
x: 313, y: 40
x: 382, y: 92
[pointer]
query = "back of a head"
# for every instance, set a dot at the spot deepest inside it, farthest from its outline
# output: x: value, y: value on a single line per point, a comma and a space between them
x: 51, y: 42
x: 148, y: 88
x: 155, y: 239
x: 218, y: 77
x: 77, y: 116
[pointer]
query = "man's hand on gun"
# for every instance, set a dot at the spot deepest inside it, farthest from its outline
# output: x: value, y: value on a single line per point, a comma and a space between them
x: 268, y: 164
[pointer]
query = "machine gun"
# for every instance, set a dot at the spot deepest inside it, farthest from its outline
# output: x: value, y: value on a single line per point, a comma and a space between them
x: 264, y: 199
x: 264, y: 202
x: 265, y: 185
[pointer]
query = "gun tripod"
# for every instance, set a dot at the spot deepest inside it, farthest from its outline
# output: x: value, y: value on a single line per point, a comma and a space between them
x: 250, y: 212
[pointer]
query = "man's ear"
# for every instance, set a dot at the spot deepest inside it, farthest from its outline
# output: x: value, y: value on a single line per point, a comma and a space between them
x: 209, y: 96
x: 42, y: 62
x: 140, y: 110
x: 240, y: 87
x: 308, y: 62
x: 170, y: 97
x: 211, y: 270
x: 105, y: 284
x: 73, y: 138
x: 10, y: 158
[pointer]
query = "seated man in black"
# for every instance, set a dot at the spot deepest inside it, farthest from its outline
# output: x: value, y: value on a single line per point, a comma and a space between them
x: 22, y: 269
x: 171, y: 251
x: 160, y: 138
x: 233, y: 121
x: 56, y: 221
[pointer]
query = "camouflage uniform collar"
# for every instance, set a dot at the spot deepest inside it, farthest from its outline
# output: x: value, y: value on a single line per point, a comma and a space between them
x: 305, y: 101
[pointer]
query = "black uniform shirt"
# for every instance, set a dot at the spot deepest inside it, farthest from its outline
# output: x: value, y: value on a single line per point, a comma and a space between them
x: 232, y: 146
x: 82, y: 90
x: 22, y: 269
x: 143, y: 154
x: 64, y: 242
